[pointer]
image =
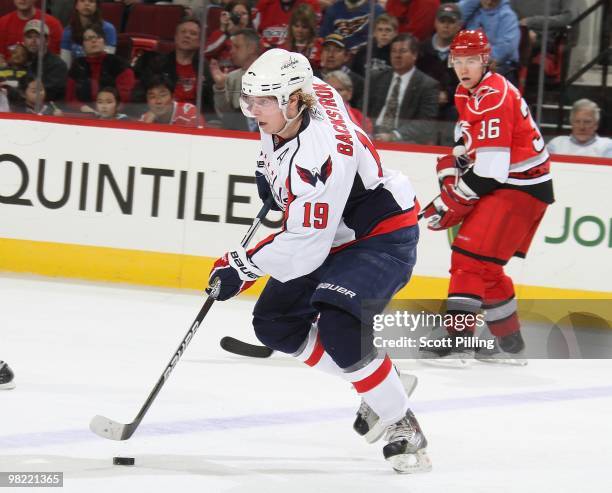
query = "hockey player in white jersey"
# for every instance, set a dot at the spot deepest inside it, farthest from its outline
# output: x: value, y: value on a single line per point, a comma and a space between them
x: 349, y: 235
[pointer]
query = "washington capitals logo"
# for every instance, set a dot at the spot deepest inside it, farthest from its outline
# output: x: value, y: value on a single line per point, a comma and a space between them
x: 311, y: 177
x: 482, y: 93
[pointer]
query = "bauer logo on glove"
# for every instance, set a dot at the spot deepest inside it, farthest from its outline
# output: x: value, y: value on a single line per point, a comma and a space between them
x: 232, y: 274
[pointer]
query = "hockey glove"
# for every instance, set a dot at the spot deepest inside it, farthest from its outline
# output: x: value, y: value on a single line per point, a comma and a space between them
x: 447, y: 209
x: 232, y: 274
x: 263, y: 190
x: 450, y: 168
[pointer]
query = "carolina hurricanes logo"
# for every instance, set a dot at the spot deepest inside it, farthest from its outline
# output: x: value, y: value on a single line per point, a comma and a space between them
x: 311, y: 177
x: 462, y: 130
x: 482, y: 93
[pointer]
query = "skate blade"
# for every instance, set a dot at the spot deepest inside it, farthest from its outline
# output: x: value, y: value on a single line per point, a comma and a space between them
x: 7, y: 386
x: 455, y: 363
x: 411, y: 463
x: 504, y: 361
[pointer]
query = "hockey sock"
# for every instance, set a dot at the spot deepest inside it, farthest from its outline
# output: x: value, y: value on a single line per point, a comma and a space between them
x: 314, y: 355
x: 380, y: 386
x: 463, y: 309
x: 502, y: 318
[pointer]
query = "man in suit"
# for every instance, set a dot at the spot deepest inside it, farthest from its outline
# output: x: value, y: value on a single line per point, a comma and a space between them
x: 404, y: 101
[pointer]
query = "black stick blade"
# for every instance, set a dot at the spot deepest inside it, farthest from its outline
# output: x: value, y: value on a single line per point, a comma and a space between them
x: 241, y: 348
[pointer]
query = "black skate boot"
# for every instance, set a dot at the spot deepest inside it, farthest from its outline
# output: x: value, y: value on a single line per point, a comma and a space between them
x: 505, y: 350
x: 367, y: 423
x: 447, y: 351
x: 407, y: 447
x: 6, y: 377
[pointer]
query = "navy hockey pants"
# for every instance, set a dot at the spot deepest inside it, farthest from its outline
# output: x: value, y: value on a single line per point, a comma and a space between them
x: 347, y: 290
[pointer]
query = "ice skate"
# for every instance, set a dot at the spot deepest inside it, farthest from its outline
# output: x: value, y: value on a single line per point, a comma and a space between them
x: 407, y: 447
x: 367, y: 423
x: 442, y: 350
x: 7, y: 377
x: 507, y: 350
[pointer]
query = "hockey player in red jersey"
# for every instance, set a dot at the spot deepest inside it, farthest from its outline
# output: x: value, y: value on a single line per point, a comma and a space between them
x: 349, y: 236
x: 497, y: 185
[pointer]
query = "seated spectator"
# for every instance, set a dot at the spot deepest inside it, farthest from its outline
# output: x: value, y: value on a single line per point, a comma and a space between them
x: 54, y: 70
x: 12, y: 24
x: 180, y: 66
x: 583, y: 141
x: 30, y: 96
x: 16, y: 66
x: 414, y: 16
x: 302, y: 34
x: 499, y: 22
x: 235, y: 17
x: 334, y: 56
x: 227, y: 88
x: 107, y: 107
x: 162, y: 108
x: 433, y: 58
x: 273, y: 18
x: 344, y: 85
x: 385, y: 29
x: 531, y: 15
x: 85, y: 14
x: 350, y: 19
x: 404, y: 101
x: 108, y: 104
x: 97, y: 69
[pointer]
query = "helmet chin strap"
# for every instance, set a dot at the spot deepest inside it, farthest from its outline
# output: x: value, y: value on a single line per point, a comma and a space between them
x: 484, y: 72
x: 289, y: 121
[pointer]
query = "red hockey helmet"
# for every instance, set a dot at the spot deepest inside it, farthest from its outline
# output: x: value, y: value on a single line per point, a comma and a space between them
x: 471, y: 43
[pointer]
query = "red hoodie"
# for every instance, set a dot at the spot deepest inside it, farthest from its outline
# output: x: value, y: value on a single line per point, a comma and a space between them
x: 124, y: 81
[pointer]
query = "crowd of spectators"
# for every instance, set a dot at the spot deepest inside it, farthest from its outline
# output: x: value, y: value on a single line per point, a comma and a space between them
x: 411, y: 95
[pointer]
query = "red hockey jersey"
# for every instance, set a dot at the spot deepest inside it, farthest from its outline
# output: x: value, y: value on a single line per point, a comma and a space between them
x: 502, y: 139
x: 273, y: 20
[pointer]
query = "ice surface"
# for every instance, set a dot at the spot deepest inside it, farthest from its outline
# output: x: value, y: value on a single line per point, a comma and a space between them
x: 224, y: 423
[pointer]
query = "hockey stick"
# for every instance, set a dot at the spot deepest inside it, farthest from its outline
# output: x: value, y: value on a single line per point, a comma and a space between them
x: 236, y: 346
x: 241, y: 348
x: 113, y: 430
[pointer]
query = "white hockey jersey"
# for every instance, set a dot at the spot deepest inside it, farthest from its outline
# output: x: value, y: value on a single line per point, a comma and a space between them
x: 332, y: 187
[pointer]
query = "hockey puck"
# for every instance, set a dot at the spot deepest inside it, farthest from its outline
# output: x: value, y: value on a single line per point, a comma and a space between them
x: 123, y: 461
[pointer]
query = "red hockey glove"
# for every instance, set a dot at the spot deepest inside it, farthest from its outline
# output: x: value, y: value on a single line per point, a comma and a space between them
x: 450, y: 168
x: 447, y: 209
x: 447, y: 170
x: 232, y: 274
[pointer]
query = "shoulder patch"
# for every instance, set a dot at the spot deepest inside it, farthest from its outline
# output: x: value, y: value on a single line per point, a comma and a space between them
x: 311, y: 177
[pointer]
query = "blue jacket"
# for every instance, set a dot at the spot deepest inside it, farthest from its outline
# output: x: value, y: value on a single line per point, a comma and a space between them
x: 350, y: 23
x: 500, y: 24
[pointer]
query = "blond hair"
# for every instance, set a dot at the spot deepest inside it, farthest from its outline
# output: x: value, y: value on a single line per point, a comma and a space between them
x: 306, y: 99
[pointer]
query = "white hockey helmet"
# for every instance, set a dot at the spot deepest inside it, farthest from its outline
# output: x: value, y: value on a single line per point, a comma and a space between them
x: 277, y: 73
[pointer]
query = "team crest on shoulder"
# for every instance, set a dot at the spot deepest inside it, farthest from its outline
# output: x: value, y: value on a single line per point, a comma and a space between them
x: 483, y: 92
x: 311, y: 177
